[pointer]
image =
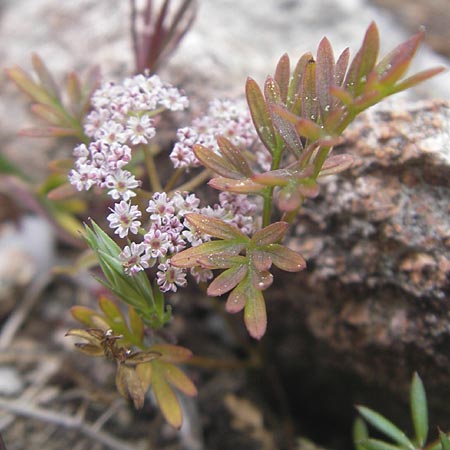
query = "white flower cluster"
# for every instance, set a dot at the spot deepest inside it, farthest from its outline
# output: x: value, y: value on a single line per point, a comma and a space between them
x: 122, y: 117
x: 166, y: 232
x: 228, y: 118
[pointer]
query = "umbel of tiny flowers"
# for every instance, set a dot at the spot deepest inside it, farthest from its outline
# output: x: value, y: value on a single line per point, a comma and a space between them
x: 122, y: 118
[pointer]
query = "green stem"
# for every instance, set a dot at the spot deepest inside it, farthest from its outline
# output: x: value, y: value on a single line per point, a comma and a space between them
x: 195, y: 182
x: 268, y: 192
x: 173, y: 179
x: 152, y: 171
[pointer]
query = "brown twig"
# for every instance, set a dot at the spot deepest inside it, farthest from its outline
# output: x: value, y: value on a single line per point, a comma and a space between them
x: 17, y: 407
x: 20, y: 314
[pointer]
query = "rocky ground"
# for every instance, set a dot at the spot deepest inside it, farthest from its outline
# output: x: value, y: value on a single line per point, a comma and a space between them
x: 371, y: 308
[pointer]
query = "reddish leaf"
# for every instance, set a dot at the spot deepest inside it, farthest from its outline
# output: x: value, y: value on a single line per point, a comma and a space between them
x: 304, y: 127
x: 289, y: 198
x: 45, y: 77
x: 217, y: 163
x: 49, y: 113
x: 215, y: 227
x: 280, y: 177
x: 227, y: 280
x: 270, y: 234
x: 363, y: 62
x: 286, y: 130
x: 341, y: 67
x: 261, y: 280
x: 221, y: 261
x: 310, y: 107
x: 324, y: 76
x: 418, y: 78
x: 255, y: 316
x: 237, y: 299
x: 285, y: 258
x: 234, y: 156
x: 260, y: 114
x: 46, y: 132
x: 28, y: 85
x: 272, y: 91
x: 193, y: 256
x: 242, y: 186
x: 294, y: 94
x: 392, y: 67
x: 336, y: 164
x: 282, y: 76
x: 261, y: 260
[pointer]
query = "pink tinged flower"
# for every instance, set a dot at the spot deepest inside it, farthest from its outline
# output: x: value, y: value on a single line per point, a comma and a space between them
x: 176, y: 242
x: 185, y: 203
x: 111, y: 131
x: 118, y: 156
x: 140, y: 130
x: 183, y: 156
x: 201, y: 275
x: 160, y: 207
x: 134, y: 259
x: 84, y: 177
x: 169, y: 278
x: 156, y: 243
x: 123, y: 219
x: 172, y: 99
x: 121, y: 184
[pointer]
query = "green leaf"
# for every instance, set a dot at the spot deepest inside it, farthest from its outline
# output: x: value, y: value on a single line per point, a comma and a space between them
x: 177, y: 378
x: 166, y: 398
x: 444, y: 440
x: 171, y: 353
x: 260, y: 115
x: 360, y: 433
x: 385, y: 426
x: 419, y: 410
x: 375, y: 444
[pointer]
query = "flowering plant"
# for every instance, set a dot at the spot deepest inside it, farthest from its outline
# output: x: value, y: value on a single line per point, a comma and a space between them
x: 265, y: 155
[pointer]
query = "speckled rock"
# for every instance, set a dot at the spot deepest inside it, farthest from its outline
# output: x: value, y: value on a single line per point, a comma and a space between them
x: 374, y: 303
